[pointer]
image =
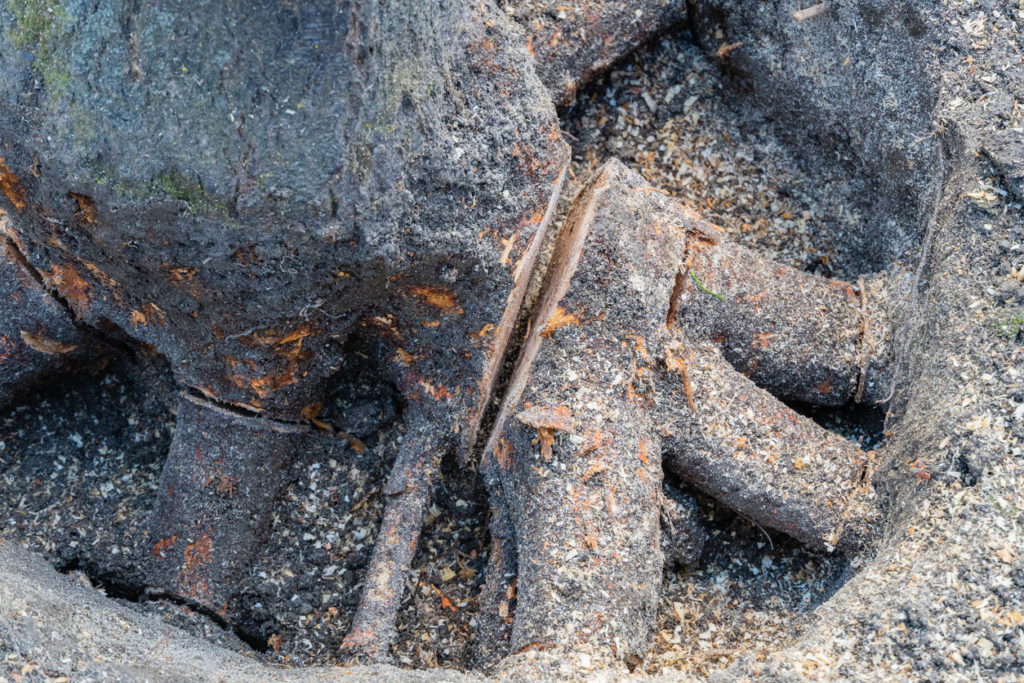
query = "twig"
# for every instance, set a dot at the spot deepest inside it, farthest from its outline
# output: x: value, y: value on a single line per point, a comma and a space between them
x: 766, y: 534
x: 409, y: 487
x: 687, y: 387
x: 812, y: 11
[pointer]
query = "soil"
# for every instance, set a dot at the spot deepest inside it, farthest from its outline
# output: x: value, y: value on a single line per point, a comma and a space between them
x: 940, y: 595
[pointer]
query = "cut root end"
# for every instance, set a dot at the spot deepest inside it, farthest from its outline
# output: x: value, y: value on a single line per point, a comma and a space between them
x: 215, y: 496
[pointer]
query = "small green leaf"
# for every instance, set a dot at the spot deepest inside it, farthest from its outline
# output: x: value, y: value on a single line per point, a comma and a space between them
x: 705, y: 289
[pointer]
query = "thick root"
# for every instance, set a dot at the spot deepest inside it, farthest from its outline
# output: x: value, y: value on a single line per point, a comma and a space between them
x: 744, y: 447
x: 621, y: 366
x: 409, y: 490
x: 586, y: 508
x: 498, y: 595
x: 213, y: 506
x: 798, y: 335
x: 574, y: 458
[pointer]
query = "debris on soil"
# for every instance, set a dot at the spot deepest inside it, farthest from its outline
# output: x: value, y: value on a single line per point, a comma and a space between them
x: 572, y: 41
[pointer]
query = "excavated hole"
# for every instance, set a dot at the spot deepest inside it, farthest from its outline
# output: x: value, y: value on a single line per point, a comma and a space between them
x: 860, y: 423
x: 82, y: 459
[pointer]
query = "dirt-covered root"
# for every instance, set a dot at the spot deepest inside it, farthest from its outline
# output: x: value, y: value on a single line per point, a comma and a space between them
x: 214, y: 500
x: 575, y: 459
x: 575, y: 40
x: 37, y: 335
x: 799, y: 335
x: 586, y: 509
x: 682, y: 532
x: 618, y: 369
x: 409, y: 489
x: 743, y: 446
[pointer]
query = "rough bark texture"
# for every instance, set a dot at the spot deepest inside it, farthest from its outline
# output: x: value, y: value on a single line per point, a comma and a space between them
x: 38, y: 337
x: 574, y: 41
x: 498, y: 594
x: 300, y: 160
x: 626, y: 360
x: 244, y: 187
x: 744, y: 447
x: 800, y: 336
x: 222, y: 473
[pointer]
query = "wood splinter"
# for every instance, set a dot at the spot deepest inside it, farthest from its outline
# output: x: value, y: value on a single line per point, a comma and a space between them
x: 810, y: 12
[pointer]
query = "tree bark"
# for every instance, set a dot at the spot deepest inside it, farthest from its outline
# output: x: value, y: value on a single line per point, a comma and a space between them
x: 38, y: 338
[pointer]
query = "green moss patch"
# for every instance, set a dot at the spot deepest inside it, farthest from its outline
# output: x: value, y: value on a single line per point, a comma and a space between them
x: 43, y: 27
x: 176, y: 185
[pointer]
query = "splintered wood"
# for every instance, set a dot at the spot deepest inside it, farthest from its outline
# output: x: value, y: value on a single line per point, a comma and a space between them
x: 679, y: 345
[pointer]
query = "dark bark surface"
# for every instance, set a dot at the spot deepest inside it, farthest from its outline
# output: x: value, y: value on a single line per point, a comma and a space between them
x: 239, y: 185
x: 221, y: 468
x: 38, y: 337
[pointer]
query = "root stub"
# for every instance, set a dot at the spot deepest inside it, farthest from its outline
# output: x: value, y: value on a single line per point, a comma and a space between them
x: 635, y: 352
x: 587, y: 517
x: 498, y: 595
x: 216, y: 492
x: 682, y: 534
x: 747, y: 449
